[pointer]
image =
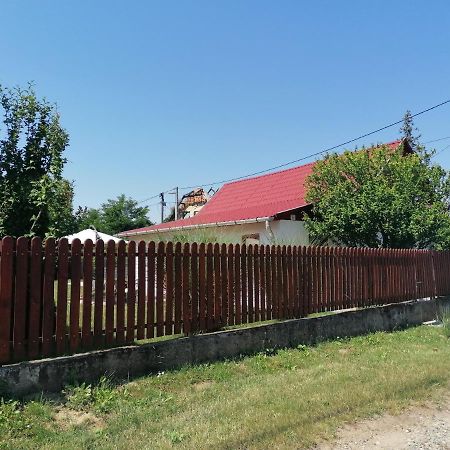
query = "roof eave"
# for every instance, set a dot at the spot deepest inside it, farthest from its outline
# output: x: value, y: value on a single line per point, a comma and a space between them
x: 197, y: 226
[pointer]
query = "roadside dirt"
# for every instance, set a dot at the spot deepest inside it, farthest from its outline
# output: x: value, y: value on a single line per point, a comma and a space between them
x: 417, y: 428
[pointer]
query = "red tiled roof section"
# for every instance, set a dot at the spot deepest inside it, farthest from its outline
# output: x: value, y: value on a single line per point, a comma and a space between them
x: 258, y: 197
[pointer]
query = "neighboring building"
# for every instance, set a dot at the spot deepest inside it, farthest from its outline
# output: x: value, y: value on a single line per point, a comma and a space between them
x: 266, y: 209
x: 192, y: 202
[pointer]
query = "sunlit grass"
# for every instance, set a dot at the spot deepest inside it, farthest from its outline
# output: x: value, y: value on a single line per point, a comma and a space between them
x: 276, y: 399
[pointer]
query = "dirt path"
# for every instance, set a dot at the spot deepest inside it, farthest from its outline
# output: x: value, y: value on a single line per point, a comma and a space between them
x: 418, y: 428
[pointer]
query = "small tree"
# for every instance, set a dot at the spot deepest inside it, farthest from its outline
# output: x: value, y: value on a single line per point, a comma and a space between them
x: 114, y: 216
x: 409, y: 132
x: 379, y: 198
x: 34, y: 197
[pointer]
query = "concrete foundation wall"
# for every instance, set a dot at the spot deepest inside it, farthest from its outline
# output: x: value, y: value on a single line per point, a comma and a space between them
x: 125, y: 362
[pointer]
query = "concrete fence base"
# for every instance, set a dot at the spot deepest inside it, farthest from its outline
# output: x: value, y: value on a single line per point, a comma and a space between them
x: 126, y: 362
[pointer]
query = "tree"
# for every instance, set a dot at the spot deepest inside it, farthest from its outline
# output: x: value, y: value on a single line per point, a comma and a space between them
x: 379, y: 197
x: 171, y: 216
x: 87, y: 218
x: 114, y: 216
x: 409, y: 131
x: 34, y: 197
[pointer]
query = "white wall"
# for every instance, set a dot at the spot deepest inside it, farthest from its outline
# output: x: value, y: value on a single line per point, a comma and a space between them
x: 283, y: 232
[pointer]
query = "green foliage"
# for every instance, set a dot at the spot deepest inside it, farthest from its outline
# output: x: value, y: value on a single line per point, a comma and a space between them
x: 114, y: 216
x: 174, y: 436
x: 12, y: 420
x: 409, y: 132
x: 101, y: 397
x: 34, y: 197
x: 171, y: 216
x: 444, y: 317
x: 379, y: 198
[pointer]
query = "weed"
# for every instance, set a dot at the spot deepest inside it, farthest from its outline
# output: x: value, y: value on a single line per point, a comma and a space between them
x: 100, y: 397
x: 175, y: 437
x: 270, y: 352
x: 445, y: 320
x: 12, y: 419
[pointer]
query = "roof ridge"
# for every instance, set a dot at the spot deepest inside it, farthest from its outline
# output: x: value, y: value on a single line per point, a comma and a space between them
x: 396, y: 141
x: 269, y: 174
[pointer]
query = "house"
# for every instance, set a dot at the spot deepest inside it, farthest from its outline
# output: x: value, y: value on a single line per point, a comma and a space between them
x: 192, y: 202
x: 266, y: 209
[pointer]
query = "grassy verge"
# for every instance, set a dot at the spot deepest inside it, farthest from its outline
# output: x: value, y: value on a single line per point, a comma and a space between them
x: 285, y: 399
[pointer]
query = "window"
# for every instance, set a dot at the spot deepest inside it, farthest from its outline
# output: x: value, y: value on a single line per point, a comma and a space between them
x: 251, y: 239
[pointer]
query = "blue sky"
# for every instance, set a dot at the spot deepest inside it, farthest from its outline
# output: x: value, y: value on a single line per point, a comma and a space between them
x: 156, y: 94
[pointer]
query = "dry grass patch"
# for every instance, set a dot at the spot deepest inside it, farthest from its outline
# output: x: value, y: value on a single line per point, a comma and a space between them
x: 67, y: 418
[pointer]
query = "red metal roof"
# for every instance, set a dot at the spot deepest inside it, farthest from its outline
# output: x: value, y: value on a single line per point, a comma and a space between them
x: 253, y: 198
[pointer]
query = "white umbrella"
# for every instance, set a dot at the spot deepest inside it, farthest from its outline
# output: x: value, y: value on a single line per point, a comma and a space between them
x: 93, y: 235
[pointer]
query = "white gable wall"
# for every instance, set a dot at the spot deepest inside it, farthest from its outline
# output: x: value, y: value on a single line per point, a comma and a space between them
x: 280, y: 232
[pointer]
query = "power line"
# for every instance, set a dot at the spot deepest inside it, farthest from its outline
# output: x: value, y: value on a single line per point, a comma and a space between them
x: 311, y: 155
x: 441, y: 150
x: 154, y: 196
x: 437, y: 140
x: 317, y: 153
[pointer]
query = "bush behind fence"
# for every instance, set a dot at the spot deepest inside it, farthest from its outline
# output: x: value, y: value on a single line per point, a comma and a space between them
x: 57, y: 298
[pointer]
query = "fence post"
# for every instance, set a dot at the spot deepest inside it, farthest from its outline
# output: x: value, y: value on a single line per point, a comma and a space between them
x: 131, y: 294
x: 75, y: 265
x: 237, y: 285
x: 120, y: 313
x: 295, y: 283
x: 110, y: 298
x: 61, y: 307
x: 99, y: 288
x: 160, y: 289
x: 178, y: 288
x: 194, y: 287
x: 262, y: 283
x: 250, y: 284
x: 268, y: 284
x: 34, y: 318
x: 86, y: 335
x: 244, y: 283
x: 231, y: 291
x: 169, y: 287
x: 20, y: 302
x: 224, y: 285
x: 187, y: 325
x: 6, y: 293
x: 48, y: 298
x: 202, y: 287
x: 217, y: 286
x: 141, y: 292
x: 433, y: 274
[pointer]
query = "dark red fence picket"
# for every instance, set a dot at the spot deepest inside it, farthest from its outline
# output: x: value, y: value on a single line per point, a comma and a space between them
x: 57, y: 298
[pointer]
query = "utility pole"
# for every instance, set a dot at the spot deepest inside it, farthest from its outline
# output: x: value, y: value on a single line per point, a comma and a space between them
x: 176, y: 193
x: 176, y: 203
x: 163, y: 203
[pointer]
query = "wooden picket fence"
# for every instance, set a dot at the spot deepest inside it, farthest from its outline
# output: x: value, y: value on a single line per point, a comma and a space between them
x: 57, y: 298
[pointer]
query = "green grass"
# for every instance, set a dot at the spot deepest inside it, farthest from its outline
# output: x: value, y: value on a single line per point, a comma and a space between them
x: 282, y: 399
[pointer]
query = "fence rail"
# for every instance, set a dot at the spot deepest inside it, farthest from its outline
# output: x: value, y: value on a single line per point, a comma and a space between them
x: 57, y: 298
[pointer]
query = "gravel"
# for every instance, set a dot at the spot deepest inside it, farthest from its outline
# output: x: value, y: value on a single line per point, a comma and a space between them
x: 418, y: 428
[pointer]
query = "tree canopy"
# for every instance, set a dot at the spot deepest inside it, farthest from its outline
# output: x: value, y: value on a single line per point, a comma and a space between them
x: 35, y: 199
x: 379, y: 197
x: 114, y: 216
